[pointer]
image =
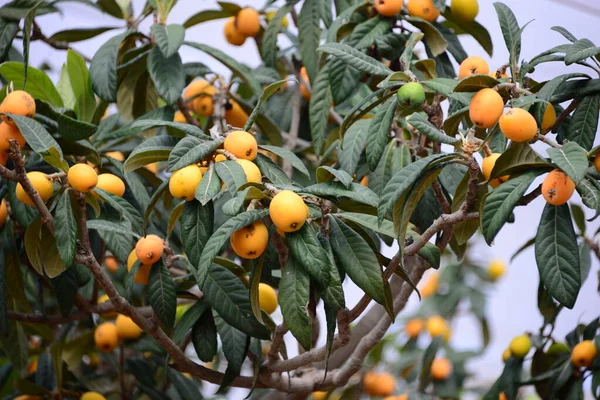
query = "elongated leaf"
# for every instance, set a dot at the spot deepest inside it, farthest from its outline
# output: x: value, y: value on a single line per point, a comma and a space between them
x: 150, y: 151
x: 353, y: 145
x: 557, y: 254
x: 188, y: 320
x: 355, y: 58
x: 427, y: 361
x: 237, y: 68
x: 584, y: 122
x: 206, y: 15
x: 186, y: 388
x: 426, y: 128
x: 53, y: 264
x: 162, y: 295
x: 357, y: 259
x: 337, y: 190
x: 40, y: 141
x: 66, y: 228
x: 572, y: 159
x: 232, y: 174
x: 168, y: 38
x: 500, y: 203
x: 433, y: 38
x: 294, y: 296
x: 288, y: 156
x: 320, y: 102
x: 473, y: 28
x: 518, y: 158
x: 8, y: 30
x: 123, y: 207
x: 167, y: 74
x: 33, y: 245
x: 196, y: 228
x: 190, y: 151
x: 443, y: 86
x: 407, y: 54
x: 204, y: 336
x: 271, y: 171
x: 310, y: 255
x: 220, y: 237
x: 309, y: 33
x: 326, y: 173
x: 209, y: 187
x: 79, y: 34
x: 580, y: 50
x: 379, y: 133
x: 475, y: 83
x: 344, y: 18
x: 268, y: 92
x: 269, y: 44
x: 103, y: 68
x: 144, y: 124
x: 566, y: 34
x: 343, y: 79
x: 235, y: 347
x: 228, y: 296
x: 65, y: 287
x: 510, y: 30
x: 81, y: 84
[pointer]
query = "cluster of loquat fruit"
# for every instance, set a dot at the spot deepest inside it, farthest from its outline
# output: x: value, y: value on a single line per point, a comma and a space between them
x: 463, y: 10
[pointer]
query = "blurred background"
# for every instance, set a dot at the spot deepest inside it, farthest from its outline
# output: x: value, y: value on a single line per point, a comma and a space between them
x: 512, y: 305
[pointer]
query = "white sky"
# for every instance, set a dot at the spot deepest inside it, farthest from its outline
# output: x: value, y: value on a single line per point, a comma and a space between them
x: 512, y: 302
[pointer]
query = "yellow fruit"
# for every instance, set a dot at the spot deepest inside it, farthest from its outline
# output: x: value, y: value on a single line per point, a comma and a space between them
x: 365, y: 180
x: 464, y: 10
x: 288, y: 211
x: 430, y: 286
x: 117, y: 155
x: 247, y: 22
x: 106, y: 337
x: 241, y: 144
x: 472, y: 66
x: 26, y: 397
x: 179, y: 117
x: 379, y: 384
x: 111, y: 183
x: 40, y: 182
x: 520, y: 346
x: 597, y: 162
x: 199, y: 94
x: 231, y: 34
x: 17, y: 102
x: 149, y: 249
x: 252, y: 172
x: 235, y: 114
x: 7, y: 132
x: 388, y: 8
x: 220, y: 157
x: 486, y: 169
x: 3, y: 213
x: 506, y: 354
x: 250, y: 241
x: 557, y: 188
x: 82, y: 177
x: 153, y: 167
x: 486, y: 108
x: 103, y: 299
x: 271, y: 14
x: 143, y: 272
x: 549, y: 118
x: 181, y: 310
x: 126, y: 328
x: 32, y: 366
x: 111, y: 264
x: 437, y: 326
x: 319, y: 395
x: 267, y: 298
x: 414, y: 327
x: 496, y: 269
x: 518, y: 125
x: 441, y: 369
x: 423, y: 9
x: 502, y: 396
x: 583, y: 354
x: 304, y: 89
x: 92, y: 396
x: 183, y: 182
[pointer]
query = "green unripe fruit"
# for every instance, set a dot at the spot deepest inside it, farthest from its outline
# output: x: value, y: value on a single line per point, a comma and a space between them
x: 557, y: 348
x: 411, y: 96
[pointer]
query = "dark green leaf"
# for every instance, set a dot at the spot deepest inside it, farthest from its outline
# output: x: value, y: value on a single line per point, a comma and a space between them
x: 580, y: 50
x: 124, y: 207
x: 65, y: 287
x: 335, y: 190
x: 320, y: 103
x: 103, y: 68
x: 475, y: 83
x: 571, y: 159
x: 162, y: 295
x: 427, y: 361
x: 206, y: 15
x: 288, y: 156
x: 186, y: 388
x: 309, y: 33
x: 294, y: 296
x: 232, y: 174
x: 518, y: 158
x: 190, y: 151
x: 168, y: 38
x: 268, y: 92
x: 150, y: 151
x: 235, y: 348
x: 308, y: 252
x: 433, y: 38
x: 379, y: 133
x: 196, y: 228
x: 584, y: 122
x: 204, y: 336
x: 81, y: 84
x: 510, y: 30
x: 326, y: 173
x: 355, y: 58
x: 80, y: 34
x: 167, y: 74
x: 269, y: 44
x: 66, y: 228
x: 209, y: 186
x: 407, y: 54
x: 353, y: 145
x: 421, y: 124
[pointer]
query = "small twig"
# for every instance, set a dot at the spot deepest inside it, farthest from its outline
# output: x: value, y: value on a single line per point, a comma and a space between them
x: 37, y: 34
x: 564, y: 114
x: 547, y: 140
x: 187, y: 112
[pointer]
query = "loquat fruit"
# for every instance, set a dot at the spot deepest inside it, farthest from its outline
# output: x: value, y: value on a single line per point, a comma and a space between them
x: 106, y: 337
x: 183, y: 182
x: 520, y: 346
x: 437, y: 326
x: 271, y: 14
x: 557, y: 188
x: 267, y: 298
x: 235, y: 114
x: 3, y: 213
x: 496, y: 269
x: 143, y: 272
x: 414, y: 327
x: 179, y: 117
x: 17, y: 102
x: 506, y: 354
x: 252, y: 172
x: 111, y: 264
x: 388, y: 8
x: 472, y: 66
x: 430, y: 286
x: 486, y: 108
x: 379, y: 384
x: 40, y: 183
x: 149, y: 249
x: 250, y: 241
x: 464, y: 10
x: 424, y: 9
x: 549, y: 118
x: 7, y: 132
x: 288, y: 211
x: 487, y: 167
x: 304, y: 88
x: 247, y: 22
x: 109, y: 315
x: 200, y: 94
x: 231, y: 34
x: 241, y: 144
x: 597, y: 162
x: 583, y: 354
x: 111, y: 183
x: 92, y: 396
x: 116, y: 155
x: 518, y: 125
x: 82, y: 177
x: 441, y: 368
x: 126, y: 328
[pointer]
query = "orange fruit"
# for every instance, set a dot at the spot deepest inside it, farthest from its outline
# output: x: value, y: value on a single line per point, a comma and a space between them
x: 472, y: 66
x: 106, y: 337
x: 288, y: 211
x: 437, y: 326
x: 82, y: 177
x: 183, y: 182
x: 486, y: 169
x: 231, y: 34
x: 117, y: 155
x: 17, y: 102
x: 441, y: 369
x: 486, y: 108
x: 111, y: 264
x: 179, y: 117
x: 200, y: 94
x: 7, y: 132
x: 111, y: 183
x: 3, y: 213
x: 40, y: 182
x: 143, y: 273
x: 92, y: 396
x: 250, y: 241
x: 424, y: 9
x: 126, y: 328
x: 549, y: 118
x: 519, y: 346
x: 365, y: 180
x: 414, y: 327
x: 267, y: 298
x: 430, y: 286
x: 557, y: 188
x: 597, y: 162
x: 304, y: 89
x: 247, y: 22
x: 241, y: 144
x: 235, y: 114
x: 518, y: 125
x: 252, y: 172
x: 379, y: 384
x: 388, y: 8
x: 583, y: 354
x: 149, y: 249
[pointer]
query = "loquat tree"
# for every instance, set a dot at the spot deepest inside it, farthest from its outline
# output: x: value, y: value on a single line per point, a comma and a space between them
x: 156, y: 214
